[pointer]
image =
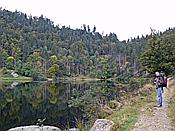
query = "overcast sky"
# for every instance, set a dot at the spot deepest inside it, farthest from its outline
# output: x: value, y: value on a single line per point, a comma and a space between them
x: 126, y: 18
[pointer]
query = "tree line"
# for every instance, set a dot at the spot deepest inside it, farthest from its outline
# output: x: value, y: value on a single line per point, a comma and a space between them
x: 34, y: 46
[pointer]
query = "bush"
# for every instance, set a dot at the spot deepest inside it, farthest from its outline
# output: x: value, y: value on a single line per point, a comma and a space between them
x: 136, y: 83
x: 37, y: 76
x: 113, y: 104
x: 24, y: 69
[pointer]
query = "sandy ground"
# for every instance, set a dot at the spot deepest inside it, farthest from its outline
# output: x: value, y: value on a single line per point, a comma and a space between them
x: 155, y: 119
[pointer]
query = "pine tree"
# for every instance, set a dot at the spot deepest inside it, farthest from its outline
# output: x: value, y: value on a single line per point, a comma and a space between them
x: 160, y: 54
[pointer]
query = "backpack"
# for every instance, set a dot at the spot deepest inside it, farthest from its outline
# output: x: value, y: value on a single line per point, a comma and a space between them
x: 160, y: 81
x: 164, y: 82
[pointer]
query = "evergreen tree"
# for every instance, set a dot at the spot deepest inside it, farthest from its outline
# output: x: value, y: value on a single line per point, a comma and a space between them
x: 160, y: 54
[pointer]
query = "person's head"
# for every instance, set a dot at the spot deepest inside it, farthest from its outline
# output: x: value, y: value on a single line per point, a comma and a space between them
x: 157, y: 73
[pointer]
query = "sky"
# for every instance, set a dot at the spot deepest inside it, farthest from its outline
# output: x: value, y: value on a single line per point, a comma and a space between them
x: 126, y: 18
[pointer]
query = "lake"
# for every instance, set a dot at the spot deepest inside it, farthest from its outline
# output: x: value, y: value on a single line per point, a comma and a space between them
x: 61, y: 104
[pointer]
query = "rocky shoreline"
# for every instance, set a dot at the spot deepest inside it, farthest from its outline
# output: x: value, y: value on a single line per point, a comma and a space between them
x: 99, y: 125
x: 35, y: 128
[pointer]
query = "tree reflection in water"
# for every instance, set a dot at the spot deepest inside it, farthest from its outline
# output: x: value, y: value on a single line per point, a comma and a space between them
x: 25, y: 103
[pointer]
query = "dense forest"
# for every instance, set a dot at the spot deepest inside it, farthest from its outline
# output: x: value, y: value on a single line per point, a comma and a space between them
x: 35, y: 47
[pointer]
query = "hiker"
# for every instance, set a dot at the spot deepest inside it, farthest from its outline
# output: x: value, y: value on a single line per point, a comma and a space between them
x: 159, y: 85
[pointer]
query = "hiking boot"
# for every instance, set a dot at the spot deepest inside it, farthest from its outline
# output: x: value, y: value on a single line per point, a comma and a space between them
x: 159, y: 105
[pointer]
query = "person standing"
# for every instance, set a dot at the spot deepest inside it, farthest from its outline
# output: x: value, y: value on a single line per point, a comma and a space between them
x: 159, y: 84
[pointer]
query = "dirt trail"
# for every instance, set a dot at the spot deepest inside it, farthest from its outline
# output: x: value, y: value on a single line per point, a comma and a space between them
x: 156, y: 119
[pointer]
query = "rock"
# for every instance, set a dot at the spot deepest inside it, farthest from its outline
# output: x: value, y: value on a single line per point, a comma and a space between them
x: 102, y: 125
x: 35, y: 128
x: 14, y: 74
x: 13, y: 85
x: 73, y: 129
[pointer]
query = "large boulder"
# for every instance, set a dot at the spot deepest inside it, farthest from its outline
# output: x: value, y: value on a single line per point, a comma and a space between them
x: 35, y: 128
x: 102, y: 125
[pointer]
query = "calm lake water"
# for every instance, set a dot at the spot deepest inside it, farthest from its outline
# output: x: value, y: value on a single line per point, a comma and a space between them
x: 23, y: 104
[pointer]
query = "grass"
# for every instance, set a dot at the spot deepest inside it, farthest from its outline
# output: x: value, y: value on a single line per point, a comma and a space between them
x: 126, y: 117
x: 20, y: 78
x: 5, y: 75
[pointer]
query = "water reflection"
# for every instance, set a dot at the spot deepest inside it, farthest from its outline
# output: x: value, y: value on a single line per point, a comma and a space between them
x: 24, y: 103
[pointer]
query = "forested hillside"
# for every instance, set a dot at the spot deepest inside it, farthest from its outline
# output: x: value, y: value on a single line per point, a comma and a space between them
x: 34, y: 46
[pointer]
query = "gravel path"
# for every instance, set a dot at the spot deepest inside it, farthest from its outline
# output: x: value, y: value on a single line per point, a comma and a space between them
x: 157, y: 117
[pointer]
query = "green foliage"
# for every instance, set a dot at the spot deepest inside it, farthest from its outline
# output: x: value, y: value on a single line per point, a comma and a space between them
x: 160, y: 54
x: 53, y: 70
x: 53, y: 58
x: 136, y: 83
x: 104, y: 70
x: 38, y: 42
x: 90, y: 101
x: 10, y: 62
x: 24, y: 69
x: 37, y: 76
